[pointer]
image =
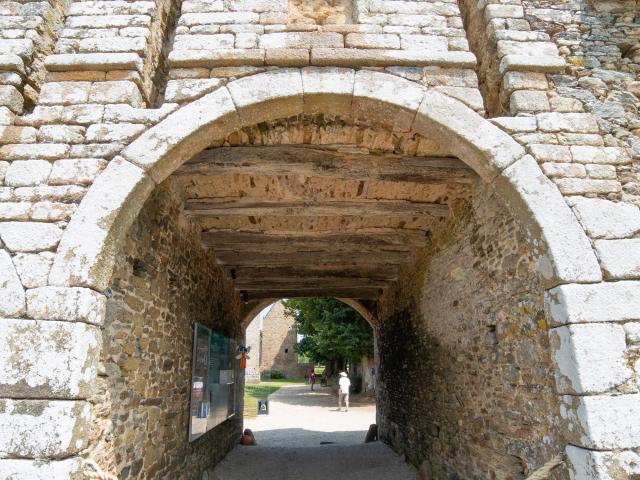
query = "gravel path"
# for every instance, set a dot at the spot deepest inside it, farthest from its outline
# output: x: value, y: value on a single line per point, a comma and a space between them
x: 289, y: 442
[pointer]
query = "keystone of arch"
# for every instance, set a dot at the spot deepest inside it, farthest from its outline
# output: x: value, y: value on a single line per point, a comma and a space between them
x: 372, y: 98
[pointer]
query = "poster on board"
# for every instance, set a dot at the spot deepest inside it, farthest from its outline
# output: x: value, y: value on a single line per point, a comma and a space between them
x: 212, y: 381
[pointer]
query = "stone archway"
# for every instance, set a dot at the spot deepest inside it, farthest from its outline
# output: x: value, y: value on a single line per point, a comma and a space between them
x: 85, y: 255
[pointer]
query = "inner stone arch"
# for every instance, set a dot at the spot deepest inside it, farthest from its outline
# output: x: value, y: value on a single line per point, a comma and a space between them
x: 199, y: 251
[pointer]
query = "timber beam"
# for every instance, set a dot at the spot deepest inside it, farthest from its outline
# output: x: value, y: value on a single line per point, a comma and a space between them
x: 336, y: 260
x: 381, y: 273
x: 225, y: 239
x: 317, y: 162
x: 306, y: 282
x: 234, y: 206
x: 360, y: 293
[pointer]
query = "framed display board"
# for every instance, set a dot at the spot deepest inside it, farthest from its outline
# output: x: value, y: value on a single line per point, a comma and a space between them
x: 212, y: 381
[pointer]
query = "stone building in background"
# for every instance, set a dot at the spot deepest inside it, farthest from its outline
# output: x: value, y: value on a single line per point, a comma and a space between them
x: 273, y: 346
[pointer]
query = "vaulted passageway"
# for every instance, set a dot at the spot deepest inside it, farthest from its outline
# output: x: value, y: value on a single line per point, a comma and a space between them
x: 447, y: 258
x: 389, y: 222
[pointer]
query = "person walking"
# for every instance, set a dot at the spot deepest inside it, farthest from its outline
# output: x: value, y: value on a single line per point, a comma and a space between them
x: 343, y: 391
x: 312, y: 379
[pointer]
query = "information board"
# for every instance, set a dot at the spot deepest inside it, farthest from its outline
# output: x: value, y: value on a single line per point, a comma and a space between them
x: 212, y: 380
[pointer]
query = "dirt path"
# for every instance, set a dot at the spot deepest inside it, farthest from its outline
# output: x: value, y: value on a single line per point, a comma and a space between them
x: 304, y: 437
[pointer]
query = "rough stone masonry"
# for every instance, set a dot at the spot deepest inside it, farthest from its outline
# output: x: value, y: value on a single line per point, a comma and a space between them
x: 466, y: 174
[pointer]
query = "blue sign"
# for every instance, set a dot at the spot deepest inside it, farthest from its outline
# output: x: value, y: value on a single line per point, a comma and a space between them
x: 263, y: 407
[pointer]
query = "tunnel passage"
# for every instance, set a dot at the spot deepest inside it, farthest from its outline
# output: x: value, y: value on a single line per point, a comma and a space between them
x: 391, y: 223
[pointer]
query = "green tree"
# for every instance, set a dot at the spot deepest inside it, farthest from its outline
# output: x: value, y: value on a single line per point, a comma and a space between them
x: 334, y: 333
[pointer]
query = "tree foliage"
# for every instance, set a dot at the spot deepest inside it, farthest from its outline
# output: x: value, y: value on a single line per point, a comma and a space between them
x: 334, y: 333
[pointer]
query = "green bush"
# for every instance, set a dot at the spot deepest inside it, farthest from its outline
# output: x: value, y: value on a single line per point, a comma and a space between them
x: 275, y: 374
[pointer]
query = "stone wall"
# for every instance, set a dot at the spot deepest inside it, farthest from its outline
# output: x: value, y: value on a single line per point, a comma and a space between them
x: 279, y: 338
x: 253, y: 339
x: 59, y: 229
x: 164, y: 282
x: 464, y: 350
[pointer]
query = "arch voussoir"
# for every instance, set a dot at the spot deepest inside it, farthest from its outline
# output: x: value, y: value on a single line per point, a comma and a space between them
x: 372, y: 97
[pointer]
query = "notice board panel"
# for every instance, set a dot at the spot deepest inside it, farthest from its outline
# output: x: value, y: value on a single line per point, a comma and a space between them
x: 212, y: 380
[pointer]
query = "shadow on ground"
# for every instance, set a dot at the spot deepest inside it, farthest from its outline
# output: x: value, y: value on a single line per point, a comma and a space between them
x: 320, y: 397
x: 301, y: 437
x: 371, y: 461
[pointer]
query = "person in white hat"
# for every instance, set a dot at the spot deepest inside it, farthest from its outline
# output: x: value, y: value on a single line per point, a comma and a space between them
x: 343, y: 391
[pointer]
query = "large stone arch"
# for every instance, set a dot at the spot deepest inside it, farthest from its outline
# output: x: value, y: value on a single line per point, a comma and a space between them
x: 85, y: 255
x: 566, y: 262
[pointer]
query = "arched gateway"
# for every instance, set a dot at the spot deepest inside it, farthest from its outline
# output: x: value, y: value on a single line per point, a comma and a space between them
x: 593, y: 423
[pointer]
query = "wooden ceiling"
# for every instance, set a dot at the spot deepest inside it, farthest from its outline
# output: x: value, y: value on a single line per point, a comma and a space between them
x: 326, y: 220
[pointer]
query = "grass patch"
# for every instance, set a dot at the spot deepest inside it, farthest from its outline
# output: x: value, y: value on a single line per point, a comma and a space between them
x: 261, y: 391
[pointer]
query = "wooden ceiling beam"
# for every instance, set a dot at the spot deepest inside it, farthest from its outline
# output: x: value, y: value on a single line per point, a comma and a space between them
x: 224, y: 239
x: 308, y: 161
x: 380, y: 272
x: 226, y: 206
x: 360, y: 293
x: 254, y: 284
x: 337, y: 260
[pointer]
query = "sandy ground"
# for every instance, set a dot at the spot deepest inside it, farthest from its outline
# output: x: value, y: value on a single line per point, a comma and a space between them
x: 305, y: 437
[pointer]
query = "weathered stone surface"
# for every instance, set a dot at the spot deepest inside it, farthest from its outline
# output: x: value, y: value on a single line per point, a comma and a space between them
x: 606, y: 219
x: 469, y: 96
x: 93, y: 61
x: 149, y: 313
x: 529, y: 101
x: 593, y: 465
x: 68, y: 304
x: 10, y: 97
x: 111, y: 132
x: 37, y: 470
x: 484, y: 147
x: 61, y: 134
x: 33, y: 268
x: 29, y: 236
x: 203, y: 42
x: 301, y: 40
x: 85, y: 255
x: 590, y: 358
x: 532, y: 63
x: 43, y: 428
x: 177, y: 138
x: 567, y: 122
x: 189, y: 89
x: 328, y: 90
x: 81, y: 171
x: 47, y: 359
x: 287, y: 57
x: 27, y: 173
x: 267, y: 96
x: 115, y: 92
x: 599, y: 302
x: 446, y: 335
x: 620, y: 259
x: 565, y: 254
x: 12, y: 296
x: 128, y: 114
x: 64, y: 93
x: 386, y: 100
x: 604, y: 421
